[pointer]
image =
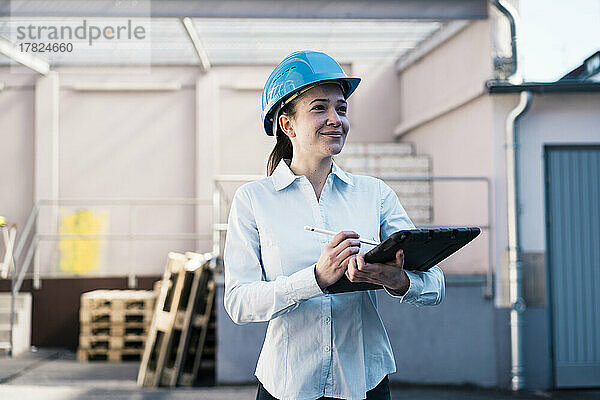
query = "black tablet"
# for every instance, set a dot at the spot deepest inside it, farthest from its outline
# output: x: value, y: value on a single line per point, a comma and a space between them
x: 423, y: 248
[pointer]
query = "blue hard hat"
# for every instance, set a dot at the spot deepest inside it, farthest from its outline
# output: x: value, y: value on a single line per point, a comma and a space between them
x: 300, y: 70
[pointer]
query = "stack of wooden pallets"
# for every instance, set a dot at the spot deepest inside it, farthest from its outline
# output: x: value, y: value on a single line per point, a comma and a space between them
x: 181, y: 339
x: 114, y: 324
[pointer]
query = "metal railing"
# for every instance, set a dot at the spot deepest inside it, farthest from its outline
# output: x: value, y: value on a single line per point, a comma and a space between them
x: 218, y: 227
x: 488, y: 290
x: 29, y: 232
x: 9, y: 234
x: 219, y: 192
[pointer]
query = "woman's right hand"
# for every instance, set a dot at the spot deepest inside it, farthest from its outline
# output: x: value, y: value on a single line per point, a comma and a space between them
x: 334, y: 260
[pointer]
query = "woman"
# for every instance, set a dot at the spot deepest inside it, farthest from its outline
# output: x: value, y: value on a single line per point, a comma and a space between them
x: 318, y: 345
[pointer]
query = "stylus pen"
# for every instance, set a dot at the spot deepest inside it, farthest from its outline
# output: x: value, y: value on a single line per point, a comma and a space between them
x: 312, y: 229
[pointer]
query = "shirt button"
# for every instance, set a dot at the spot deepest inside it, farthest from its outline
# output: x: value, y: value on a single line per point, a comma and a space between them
x: 327, y: 320
x: 326, y: 348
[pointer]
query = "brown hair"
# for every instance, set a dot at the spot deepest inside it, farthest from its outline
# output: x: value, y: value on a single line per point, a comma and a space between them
x: 283, y: 148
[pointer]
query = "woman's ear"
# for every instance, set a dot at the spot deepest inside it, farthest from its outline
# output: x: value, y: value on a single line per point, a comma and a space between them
x: 287, y: 125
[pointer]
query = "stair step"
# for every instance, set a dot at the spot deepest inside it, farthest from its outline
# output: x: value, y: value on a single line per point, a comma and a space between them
x: 398, y: 173
x: 416, y: 202
x: 22, y: 322
x: 395, y: 148
x: 384, y: 161
x: 5, y: 317
x: 20, y: 300
x: 5, y: 302
x: 387, y: 166
x: 419, y: 216
x: 410, y: 188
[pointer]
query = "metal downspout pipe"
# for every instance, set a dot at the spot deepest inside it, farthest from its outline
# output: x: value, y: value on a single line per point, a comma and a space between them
x: 515, y: 266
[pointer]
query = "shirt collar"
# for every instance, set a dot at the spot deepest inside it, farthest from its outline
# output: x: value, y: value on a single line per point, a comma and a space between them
x: 340, y: 173
x: 283, y: 176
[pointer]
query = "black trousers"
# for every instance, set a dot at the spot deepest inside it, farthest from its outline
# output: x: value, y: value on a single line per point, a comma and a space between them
x: 379, y: 392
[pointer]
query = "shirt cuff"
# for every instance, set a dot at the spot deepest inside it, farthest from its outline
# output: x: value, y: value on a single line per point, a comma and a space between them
x: 303, y: 284
x: 415, y: 287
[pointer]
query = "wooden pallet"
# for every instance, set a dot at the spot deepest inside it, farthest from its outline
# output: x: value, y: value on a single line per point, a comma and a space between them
x: 115, y: 316
x: 114, y: 324
x: 112, y: 355
x: 112, y: 342
x: 110, y: 300
x: 156, y: 288
x: 180, y: 321
x: 197, y: 350
x: 114, y: 329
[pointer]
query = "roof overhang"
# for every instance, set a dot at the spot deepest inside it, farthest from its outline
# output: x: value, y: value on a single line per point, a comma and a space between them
x: 335, y: 9
x: 499, y: 87
x: 231, y: 32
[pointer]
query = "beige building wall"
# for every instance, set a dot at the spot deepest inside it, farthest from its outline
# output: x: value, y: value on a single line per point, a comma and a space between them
x: 373, y: 107
x: 446, y: 113
x: 115, y: 144
x: 16, y: 146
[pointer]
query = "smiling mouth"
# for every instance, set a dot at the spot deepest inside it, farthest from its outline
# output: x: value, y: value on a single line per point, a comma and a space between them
x: 332, y: 134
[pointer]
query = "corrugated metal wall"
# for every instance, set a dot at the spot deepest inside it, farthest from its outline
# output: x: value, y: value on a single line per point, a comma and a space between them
x: 573, y: 228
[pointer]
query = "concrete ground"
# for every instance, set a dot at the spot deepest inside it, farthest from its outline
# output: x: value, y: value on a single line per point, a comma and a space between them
x: 56, y: 374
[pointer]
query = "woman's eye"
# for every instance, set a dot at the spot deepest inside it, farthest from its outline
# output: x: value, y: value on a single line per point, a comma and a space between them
x: 342, y: 110
x: 318, y: 107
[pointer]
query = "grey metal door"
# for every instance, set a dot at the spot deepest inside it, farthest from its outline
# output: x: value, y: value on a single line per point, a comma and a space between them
x: 573, y: 235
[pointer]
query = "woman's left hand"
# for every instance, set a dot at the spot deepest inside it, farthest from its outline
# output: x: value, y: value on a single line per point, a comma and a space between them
x: 390, y: 274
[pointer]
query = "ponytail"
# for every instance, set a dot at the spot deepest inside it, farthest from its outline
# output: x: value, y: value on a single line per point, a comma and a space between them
x: 283, y: 148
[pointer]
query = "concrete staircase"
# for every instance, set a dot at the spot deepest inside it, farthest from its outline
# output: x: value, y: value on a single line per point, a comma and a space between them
x: 22, y: 326
x: 392, y: 161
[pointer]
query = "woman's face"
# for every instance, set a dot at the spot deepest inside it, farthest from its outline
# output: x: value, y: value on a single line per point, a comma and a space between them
x: 320, y: 124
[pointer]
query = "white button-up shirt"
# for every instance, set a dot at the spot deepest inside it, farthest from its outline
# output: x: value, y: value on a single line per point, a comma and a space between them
x: 317, y: 344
